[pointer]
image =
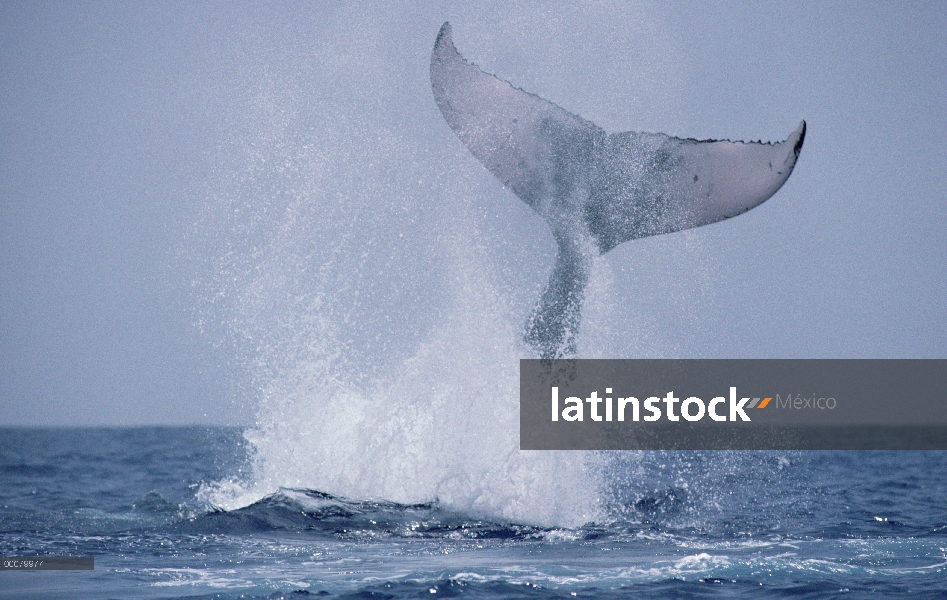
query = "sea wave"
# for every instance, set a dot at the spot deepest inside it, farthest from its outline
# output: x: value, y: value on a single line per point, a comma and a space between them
x: 301, y: 510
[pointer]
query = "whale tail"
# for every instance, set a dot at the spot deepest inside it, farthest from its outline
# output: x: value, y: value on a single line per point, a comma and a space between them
x: 596, y: 190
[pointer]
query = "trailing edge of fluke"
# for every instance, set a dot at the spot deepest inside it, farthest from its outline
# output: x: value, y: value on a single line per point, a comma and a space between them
x: 594, y: 189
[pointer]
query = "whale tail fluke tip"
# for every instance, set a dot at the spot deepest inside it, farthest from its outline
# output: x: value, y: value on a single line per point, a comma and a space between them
x: 444, y: 32
x: 802, y: 137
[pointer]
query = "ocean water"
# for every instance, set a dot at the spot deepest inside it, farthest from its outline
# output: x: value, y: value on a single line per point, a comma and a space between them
x: 666, y: 524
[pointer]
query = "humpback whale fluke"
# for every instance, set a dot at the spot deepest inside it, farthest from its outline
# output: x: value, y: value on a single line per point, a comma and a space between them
x: 594, y: 189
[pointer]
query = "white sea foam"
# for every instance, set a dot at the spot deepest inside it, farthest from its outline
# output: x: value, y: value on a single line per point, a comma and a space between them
x: 328, y: 247
x: 443, y: 426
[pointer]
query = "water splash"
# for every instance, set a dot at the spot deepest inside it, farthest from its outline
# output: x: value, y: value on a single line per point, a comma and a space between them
x: 374, y: 315
x: 442, y: 426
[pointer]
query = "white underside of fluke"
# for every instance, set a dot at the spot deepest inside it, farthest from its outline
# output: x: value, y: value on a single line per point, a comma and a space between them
x: 594, y: 189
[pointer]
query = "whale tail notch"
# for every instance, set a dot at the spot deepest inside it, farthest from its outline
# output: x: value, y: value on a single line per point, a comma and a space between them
x: 596, y: 190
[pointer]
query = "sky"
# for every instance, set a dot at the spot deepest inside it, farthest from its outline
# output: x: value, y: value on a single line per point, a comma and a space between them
x: 190, y: 194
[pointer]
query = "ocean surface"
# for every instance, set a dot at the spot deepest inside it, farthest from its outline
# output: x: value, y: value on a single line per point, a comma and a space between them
x: 671, y: 524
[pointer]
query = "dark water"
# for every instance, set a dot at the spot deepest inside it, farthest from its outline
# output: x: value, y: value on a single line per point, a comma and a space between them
x: 682, y: 524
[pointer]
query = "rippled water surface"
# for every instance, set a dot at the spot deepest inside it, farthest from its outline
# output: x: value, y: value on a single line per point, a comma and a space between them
x: 682, y: 524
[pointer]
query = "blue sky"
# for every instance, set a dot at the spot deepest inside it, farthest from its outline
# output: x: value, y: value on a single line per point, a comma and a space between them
x: 190, y: 196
